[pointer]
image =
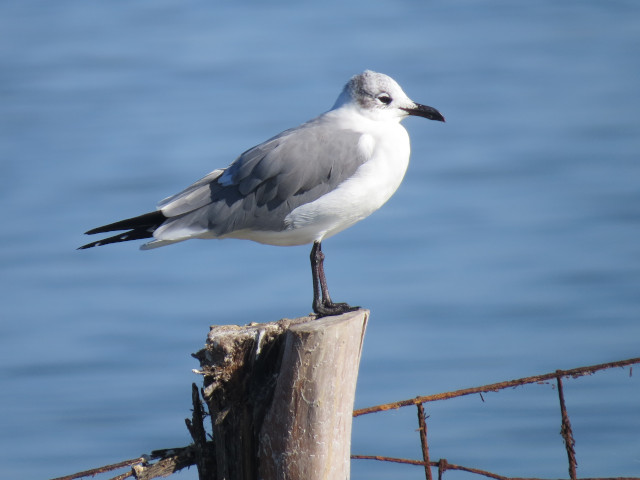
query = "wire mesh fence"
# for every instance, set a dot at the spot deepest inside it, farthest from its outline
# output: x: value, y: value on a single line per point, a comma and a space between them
x: 442, y: 465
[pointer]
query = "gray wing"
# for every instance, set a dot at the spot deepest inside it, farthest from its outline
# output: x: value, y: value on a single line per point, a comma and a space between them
x: 262, y: 186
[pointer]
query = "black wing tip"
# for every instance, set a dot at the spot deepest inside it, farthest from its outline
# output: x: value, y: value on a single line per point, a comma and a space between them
x: 121, y: 237
x: 91, y: 245
x: 151, y: 220
x: 138, y: 228
x: 104, y: 241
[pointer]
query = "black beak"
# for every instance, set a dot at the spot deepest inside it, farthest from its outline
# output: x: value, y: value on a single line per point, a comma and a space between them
x: 424, y: 111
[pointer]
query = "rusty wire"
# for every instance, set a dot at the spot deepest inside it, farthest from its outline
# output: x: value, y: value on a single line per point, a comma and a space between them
x: 107, y: 468
x: 422, y: 427
x: 181, y: 457
x: 566, y: 432
x: 443, y: 465
x: 494, y: 387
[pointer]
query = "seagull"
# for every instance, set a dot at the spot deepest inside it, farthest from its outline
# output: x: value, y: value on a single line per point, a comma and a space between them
x: 300, y: 187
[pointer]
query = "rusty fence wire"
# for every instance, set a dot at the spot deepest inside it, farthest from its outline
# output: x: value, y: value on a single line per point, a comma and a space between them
x: 168, y: 461
x: 442, y: 465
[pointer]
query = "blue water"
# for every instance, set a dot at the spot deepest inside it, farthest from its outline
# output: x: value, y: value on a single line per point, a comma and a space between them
x: 511, y: 249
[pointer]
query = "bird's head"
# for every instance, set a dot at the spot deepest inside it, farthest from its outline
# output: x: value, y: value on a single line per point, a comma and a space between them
x: 379, y: 97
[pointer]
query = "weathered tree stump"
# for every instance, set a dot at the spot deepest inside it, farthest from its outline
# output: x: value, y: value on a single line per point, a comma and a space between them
x: 281, y: 396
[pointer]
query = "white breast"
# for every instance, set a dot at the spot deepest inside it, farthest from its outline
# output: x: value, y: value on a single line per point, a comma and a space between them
x: 373, y: 183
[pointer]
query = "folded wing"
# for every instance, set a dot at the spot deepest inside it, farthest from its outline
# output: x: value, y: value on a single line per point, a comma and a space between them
x: 262, y: 186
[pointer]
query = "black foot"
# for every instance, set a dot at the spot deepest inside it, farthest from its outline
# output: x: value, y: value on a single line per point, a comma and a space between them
x: 330, y: 309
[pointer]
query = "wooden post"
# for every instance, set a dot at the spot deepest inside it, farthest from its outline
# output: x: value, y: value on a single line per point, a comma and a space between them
x: 281, y: 397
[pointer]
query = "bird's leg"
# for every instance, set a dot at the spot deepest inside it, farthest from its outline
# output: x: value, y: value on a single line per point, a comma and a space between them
x: 326, y: 298
x: 315, y: 259
x: 322, y: 304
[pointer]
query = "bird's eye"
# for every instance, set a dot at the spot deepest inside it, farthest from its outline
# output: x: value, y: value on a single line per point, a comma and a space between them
x: 384, y: 98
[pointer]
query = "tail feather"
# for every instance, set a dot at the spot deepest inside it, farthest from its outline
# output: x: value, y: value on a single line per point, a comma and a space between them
x: 138, y: 227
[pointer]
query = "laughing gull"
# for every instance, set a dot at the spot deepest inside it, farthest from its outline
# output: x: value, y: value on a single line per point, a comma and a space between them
x: 301, y: 186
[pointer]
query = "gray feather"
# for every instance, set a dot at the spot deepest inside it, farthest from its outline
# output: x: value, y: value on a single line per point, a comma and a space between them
x: 262, y: 186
